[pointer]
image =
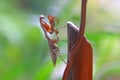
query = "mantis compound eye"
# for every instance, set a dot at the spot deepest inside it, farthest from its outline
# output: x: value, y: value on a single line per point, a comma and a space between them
x: 42, y: 17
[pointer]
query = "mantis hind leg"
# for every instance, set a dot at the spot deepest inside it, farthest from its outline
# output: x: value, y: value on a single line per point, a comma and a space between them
x: 58, y: 54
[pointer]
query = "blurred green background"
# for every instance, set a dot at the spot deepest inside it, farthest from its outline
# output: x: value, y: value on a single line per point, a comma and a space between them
x: 24, y: 52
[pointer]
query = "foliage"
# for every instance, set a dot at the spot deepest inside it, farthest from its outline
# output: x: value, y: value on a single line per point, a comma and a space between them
x: 22, y: 46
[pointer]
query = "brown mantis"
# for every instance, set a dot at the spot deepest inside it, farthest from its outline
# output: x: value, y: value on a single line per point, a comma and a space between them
x: 50, y: 29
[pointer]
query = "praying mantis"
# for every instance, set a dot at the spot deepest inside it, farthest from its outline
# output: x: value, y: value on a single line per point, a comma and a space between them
x: 49, y: 28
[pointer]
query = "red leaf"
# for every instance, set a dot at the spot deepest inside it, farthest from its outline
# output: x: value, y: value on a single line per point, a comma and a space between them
x: 79, y: 65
